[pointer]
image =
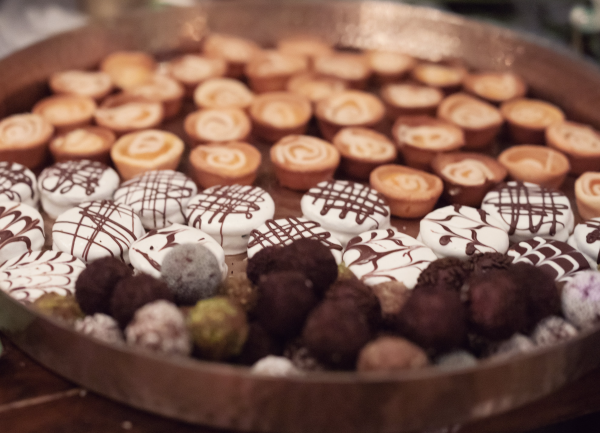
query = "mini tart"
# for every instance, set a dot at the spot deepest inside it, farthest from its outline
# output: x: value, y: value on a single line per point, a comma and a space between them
x: 446, y: 77
x: 587, y: 195
x: 191, y: 70
x: 528, y: 119
x: 348, y: 108
x: 480, y: 120
x: 410, y: 193
x: 129, y: 68
x: 163, y: 89
x: 301, y: 161
x: 304, y: 45
x: 66, y: 112
x: 405, y: 99
x: 495, y: 87
x: 142, y: 151
x: 270, y: 70
x: 362, y: 150
x: 94, y: 84
x: 223, y: 93
x: 390, y: 66
x: 225, y: 164
x: 277, y: 114
x: 217, y: 125
x: 580, y: 143
x: 315, y: 87
x: 24, y: 139
x: 87, y: 142
x: 126, y: 113
x: 235, y: 51
x: 352, y: 68
x: 535, y: 164
x: 467, y: 176
x: 421, y: 138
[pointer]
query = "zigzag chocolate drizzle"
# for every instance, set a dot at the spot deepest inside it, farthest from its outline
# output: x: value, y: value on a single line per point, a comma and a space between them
x: 10, y: 176
x: 17, y: 226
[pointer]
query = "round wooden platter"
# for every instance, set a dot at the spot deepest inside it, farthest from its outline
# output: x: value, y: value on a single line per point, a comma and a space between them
x: 230, y: 396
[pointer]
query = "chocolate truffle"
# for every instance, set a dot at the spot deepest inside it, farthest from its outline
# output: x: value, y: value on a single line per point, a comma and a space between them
x: 552, y: 330
x: 240, y: 289
x: 449, y: 272
x: 59, y: 306
x: 543, y: 298
x: 481, y: 263
x: 313, y: 259
x: 391, y: 354
x: 581, y: 299
x: 264, y: 261
x: 95, y: 285
x: 258, y: 345
x: 275, y: 366
x: 359, y: 293
x: 392, y: 297
x: 100, y: 326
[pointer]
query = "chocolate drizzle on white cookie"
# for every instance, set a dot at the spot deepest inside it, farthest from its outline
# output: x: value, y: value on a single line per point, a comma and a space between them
x: 16, y: 226
x: 15, y: 177
x: 64, y: 176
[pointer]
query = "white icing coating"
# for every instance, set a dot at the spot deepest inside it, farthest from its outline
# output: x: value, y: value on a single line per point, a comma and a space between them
x: 147, y: 253
x: 229, y: 213
x: 380, y: 256
x: 21, y: 230
x: 586, y: 239
x: 18, y: 183
x: 36, y: 273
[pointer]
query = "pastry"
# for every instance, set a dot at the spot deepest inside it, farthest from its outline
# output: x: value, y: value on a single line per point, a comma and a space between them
x: 125, y: 113
x: 380, y: 256
x: 228, y: 213
x: 390, y: 66
x: 129, y: 68
x: 586, y: 240
x: 87, y: 142
x: 67, y: 184
x: 461, y: 231
x: 94, y: 84
x: 315, y: 87
x: 163, y: 89
x: 66, y: 112
x: 270, y: 70
x: 21, y: 230
x: 223, y: 93
x: 158, y: 197
x: 234, y: 50
x: 36, y: 273
x: 446, y: 77
x: 191, y: 70
x: 217, y: 125
x: 495, y: 87
x: 587, y: 195
x: 345, y: 208
x: 536, y: 164
x: 354, y: 69
x: 348, y: 108
x: 284, y: 231
x: 24, y: 139
x: 527, y: 210
x: 580, y: 143
x: 18, y: 183
x: 277, y: 114
x: 97, y: 229
x: 406, y: 99
x: 142, y: 151
x: 301, y: 161
x: 528, y: 119
x: 308, y: 46
x: 225, y: 164
x: 480, y: 120
x: 421, y: 138
x: 467, y: 176
x: 410, y: 193
x: 148, y: 252
x: 362, y: 150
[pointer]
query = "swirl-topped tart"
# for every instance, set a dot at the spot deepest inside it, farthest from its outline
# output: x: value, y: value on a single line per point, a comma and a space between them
x: 223, y: 93
x: 270, y: 70
x: 225, y: 164
x: 352, y: 68
x: 24, y: 139
x: 447, y: 77
x: 535, y: 164
x: 390, y: 66
x: 234, y: 50
x: 308, y: 46
x: 21, y: 230
x: 586, y: 239
x: 129, y: 68
x: 315, y: 87
x: 587, y: 195
x: 18, y: 183
x: 277, y: 114
x: 66, y: 112
x: 495, y: 87
x: 406, y: 99
x: 580, y: 143
x: 88, y: 142
x: 163, y: 89
x: 217, y: 125
x: 94, y: 84
x: 528, y: 119
x: 124, y: 113
x: 191, y: 70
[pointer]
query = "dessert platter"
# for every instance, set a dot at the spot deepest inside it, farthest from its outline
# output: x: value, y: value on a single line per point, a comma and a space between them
x: 302, y: 217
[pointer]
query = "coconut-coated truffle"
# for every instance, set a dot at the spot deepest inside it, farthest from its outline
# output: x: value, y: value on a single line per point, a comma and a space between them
x: 359, y: 293
x: 391, y: 354
x: 275, y: 366
x: 218, y: 327
x: 543, y: 298
x: 240, y: 289
x: 100, y: 326
x: 552, y: 330
x: 515, y: 345
x: 134, y: 292
x: 456, y: 360
x: 59, y: 306
x: 481, y: 263
x: 448, y: 272
x: 581, y: 299
x: 259, y: 344
x: 191, y: 272
x: 94, y: 286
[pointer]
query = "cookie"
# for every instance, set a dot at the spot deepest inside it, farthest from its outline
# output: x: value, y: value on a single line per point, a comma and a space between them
x: 586, y: 240
x: 18, y: 183
x: 21, y: 230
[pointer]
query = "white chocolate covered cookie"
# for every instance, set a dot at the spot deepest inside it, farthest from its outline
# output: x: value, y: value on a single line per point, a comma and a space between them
x: 21, y: 230
x: 586, y: 240
x: 18, y: 183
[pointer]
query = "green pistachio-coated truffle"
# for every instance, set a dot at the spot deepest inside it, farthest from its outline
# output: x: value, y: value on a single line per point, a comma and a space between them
x: 240, y: 289
x: 59, y: 306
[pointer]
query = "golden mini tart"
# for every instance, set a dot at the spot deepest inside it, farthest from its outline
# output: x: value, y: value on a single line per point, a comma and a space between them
x: 225, y: 164
x: 315, y: 87
x: 129, y: 68
x: 410, y: 193
x: 138, y: 152
x: 495, y: 87
x: 277, y: 114
x: 234, y: 50
x: 304, y: 45
x: 352, y: 68
x: 223, y: 93
x: 94, y: 84
x: 421, y: 138
x: 528, y: 119
x: 302, y: 161
x: 480, y: 120
x: 536, y: 164
x: 390, y: 66
x: 270, y: 70
x: 362, y: 150
x: 580, y: 143
x: 446, y: 77
x: 217, y: 125
x: 348, y: 108
x: 467, y: 176
x: 66, y: 112
x: 88, y: 142
x: 191, y: 70
x: 125, y: 113
x: 587, y: 195
x: 163, y: 89
x: 24, y: 139
x: 406, y: 99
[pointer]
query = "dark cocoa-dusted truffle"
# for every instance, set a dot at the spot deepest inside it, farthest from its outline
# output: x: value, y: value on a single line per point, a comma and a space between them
x: 284, y: 300
x: 361, y: 294
x: 480, y: 263
x: 240, y: 289
x: 543, y: 298
x: 59, y: 306
x: 392, y: 297
x: 95, y: 285
x: 449, y: 272
x: 391, y: 354
x: 132, y: 293
x: 258, y: 345
x: 264, y: 261
x: 313, y: 259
